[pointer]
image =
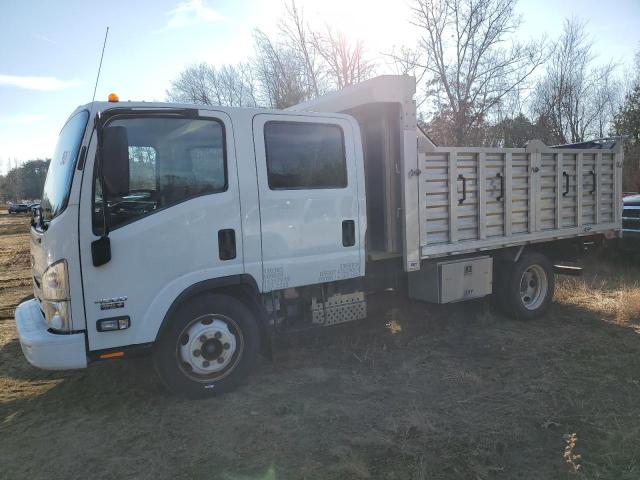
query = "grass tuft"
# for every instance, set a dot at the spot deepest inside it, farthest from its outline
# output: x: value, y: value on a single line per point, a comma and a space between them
x: 612, y: 290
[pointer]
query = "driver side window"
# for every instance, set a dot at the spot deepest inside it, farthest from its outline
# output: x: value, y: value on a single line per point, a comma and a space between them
x: 171, y: 160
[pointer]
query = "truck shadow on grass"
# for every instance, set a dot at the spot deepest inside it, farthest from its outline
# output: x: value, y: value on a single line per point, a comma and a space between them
x: 416, y: 391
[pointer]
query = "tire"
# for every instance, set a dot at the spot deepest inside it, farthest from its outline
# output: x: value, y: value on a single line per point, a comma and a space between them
x: 525, y: 288
x: 217, y: 324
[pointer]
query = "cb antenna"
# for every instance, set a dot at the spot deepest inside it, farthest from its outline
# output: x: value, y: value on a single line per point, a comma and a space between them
x: 100, y: 66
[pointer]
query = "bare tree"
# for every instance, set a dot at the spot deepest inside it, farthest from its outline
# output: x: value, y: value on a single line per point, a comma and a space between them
x: 470, y: 67
x: 329, y: 57
x: 608, y: 99
x: 345, y: 60
x: 406, y: 61
x: 578, y: 100
x: 296, y: 64
x: 235, y: 85
x: 229, y: 85
x: 280, y: 72
x: 192, y: 85
x: 297, y: 35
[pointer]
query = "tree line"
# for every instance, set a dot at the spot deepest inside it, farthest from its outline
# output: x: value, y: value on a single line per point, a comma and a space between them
x: 24, y: 182
x: 477, y: 84
x: 297, y: 64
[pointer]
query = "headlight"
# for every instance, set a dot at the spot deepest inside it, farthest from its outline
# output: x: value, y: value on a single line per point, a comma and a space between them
x: 54, y: 282
x: 55, y: 297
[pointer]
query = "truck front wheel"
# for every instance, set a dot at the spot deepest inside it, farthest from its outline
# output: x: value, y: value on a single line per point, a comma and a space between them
x: 208, y: 346
x: 526, y: 287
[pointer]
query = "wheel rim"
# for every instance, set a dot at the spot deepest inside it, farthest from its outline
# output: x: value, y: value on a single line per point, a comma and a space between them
x: 533, y: 287
x: 209, y: 347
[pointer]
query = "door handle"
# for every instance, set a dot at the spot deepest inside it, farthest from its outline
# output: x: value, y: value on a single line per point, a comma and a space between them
x: 593, y: 176
x: 227, y: 244
x: 348, y: 233
x: 464, y: 189
x: 566, y: 184
x: 501, y: 196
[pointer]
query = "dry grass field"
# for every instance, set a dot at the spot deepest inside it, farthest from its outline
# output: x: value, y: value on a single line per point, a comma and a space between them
x: 415, y: 392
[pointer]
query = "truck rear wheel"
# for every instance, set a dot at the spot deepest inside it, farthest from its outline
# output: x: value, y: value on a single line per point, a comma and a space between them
x: 526, y: 287
x: 208, y: 346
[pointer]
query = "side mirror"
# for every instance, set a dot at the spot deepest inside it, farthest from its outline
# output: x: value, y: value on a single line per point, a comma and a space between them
x: 115, y: 160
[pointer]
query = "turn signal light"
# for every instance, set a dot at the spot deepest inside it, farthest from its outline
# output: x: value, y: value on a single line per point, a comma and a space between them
x: 111, y: 355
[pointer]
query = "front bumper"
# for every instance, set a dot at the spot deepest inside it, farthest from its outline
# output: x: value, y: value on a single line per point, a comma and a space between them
x: 44, y: 349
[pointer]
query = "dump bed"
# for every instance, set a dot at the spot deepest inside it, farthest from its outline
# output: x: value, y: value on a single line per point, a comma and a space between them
x: 426, y: 201
x: 479, y: 198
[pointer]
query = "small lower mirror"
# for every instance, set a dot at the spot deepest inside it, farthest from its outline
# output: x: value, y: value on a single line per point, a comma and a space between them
x: 101, y: 251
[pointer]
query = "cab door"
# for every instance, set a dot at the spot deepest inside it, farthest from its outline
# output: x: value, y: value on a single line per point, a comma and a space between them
x: 177, y: 222
x: 309, y: 209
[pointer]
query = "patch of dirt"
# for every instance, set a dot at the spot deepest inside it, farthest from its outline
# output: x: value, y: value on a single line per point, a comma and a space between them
x: 415, y: 392
x: 15, y: 273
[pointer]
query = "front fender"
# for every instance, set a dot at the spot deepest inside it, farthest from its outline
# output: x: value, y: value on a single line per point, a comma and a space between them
x: 179, y: 290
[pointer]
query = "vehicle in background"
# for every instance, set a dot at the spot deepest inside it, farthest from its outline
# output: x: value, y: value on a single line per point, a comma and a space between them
x: 196, y: 232
x: 19, y: 208
x: 630, y: 240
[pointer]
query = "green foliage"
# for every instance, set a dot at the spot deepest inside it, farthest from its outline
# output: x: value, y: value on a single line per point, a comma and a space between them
x: 24, y: 182
x: 507, y: 133
x: 443, y: 129
x: 627, y: 122
x: 514, y: 132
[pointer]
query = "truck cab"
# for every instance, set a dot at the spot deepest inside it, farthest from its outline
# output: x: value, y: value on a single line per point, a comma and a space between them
x: 146, y: 206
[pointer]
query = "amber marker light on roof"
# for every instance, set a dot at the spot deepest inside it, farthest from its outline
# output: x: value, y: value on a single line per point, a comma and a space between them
x: 113, y: 97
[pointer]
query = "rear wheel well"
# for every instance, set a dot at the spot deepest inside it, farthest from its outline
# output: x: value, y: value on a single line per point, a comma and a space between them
x: 563, y: 250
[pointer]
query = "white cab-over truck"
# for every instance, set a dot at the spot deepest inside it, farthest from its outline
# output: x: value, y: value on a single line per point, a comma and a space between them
x: 197, y: 232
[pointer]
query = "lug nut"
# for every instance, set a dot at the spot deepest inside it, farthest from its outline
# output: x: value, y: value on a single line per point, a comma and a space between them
x: 220, y: 360
x: 226, y: 346
x: 205, y: 364
x: 203, y: 338
x: 218, y: 335
x: 196, y: 353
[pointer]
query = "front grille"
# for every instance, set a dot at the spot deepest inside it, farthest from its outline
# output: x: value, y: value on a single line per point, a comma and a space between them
x: 631, y: 213
x: 631, y: 219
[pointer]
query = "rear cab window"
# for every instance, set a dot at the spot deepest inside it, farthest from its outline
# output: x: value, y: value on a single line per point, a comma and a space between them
x: 305, y: 155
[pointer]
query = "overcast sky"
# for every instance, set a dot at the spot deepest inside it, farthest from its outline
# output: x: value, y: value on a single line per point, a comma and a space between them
x: 50, y: 50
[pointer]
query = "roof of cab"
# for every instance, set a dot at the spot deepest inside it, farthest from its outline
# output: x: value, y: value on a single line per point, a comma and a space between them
x: 101, y: 106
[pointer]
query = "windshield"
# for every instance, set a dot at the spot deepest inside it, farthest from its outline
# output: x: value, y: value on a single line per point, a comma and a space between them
x: 60, y: 173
